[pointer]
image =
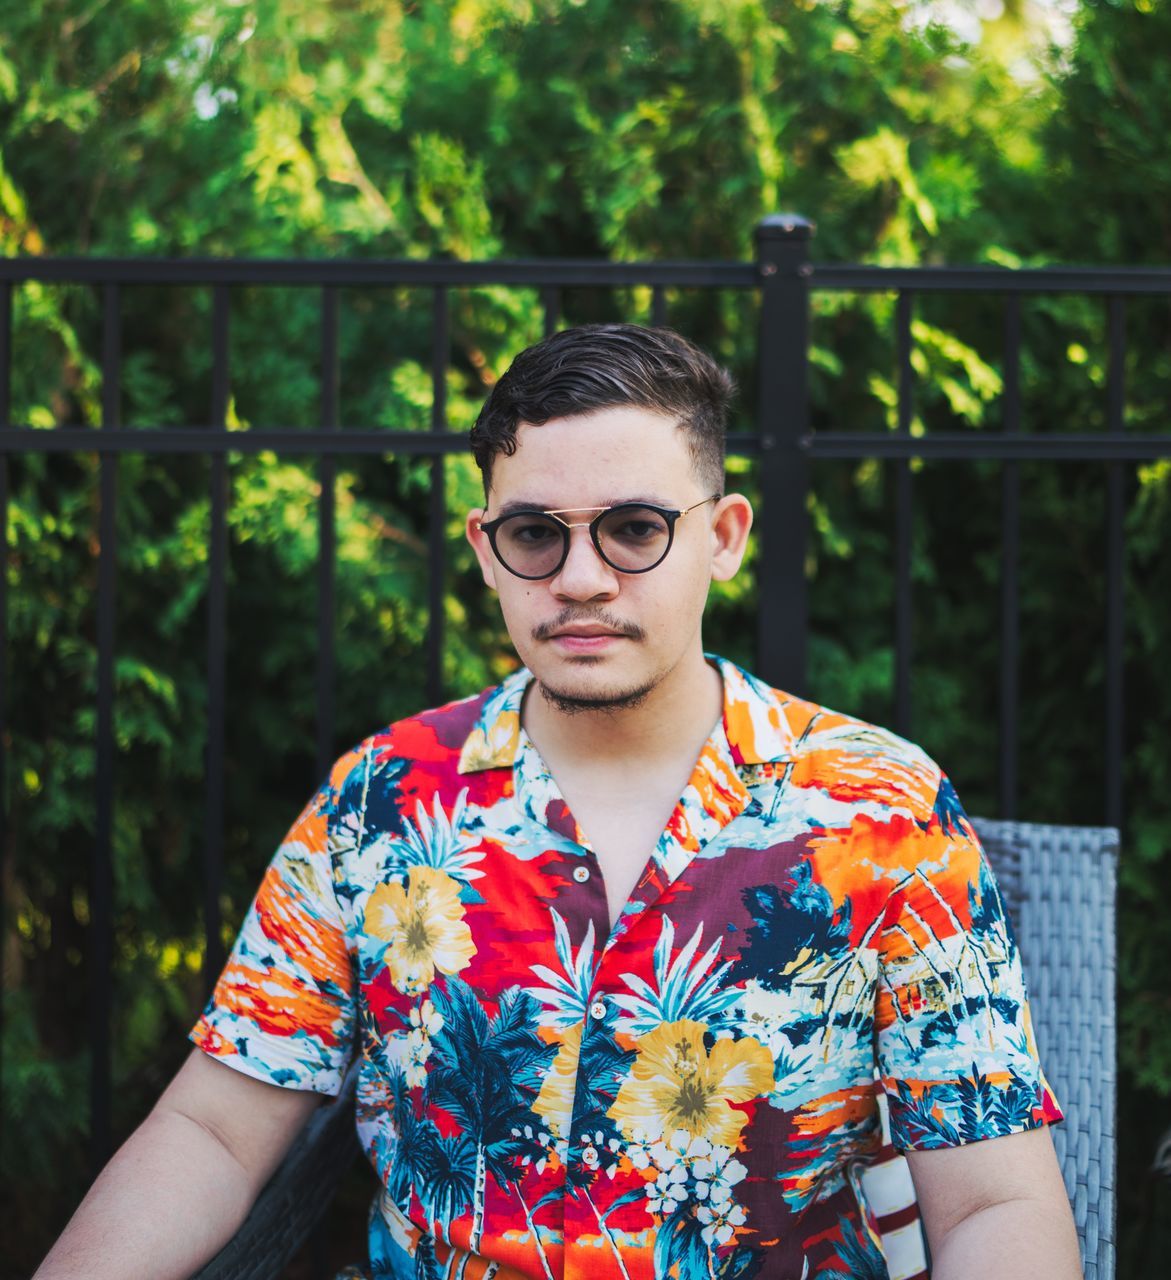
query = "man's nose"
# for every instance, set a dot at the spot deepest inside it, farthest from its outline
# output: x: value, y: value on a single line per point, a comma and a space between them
x: 584, y: 575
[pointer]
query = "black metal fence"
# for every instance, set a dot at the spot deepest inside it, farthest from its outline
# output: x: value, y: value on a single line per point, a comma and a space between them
x: 783, y: 443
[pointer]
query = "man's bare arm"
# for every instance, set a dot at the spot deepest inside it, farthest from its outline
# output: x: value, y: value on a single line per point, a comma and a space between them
x: 182, y: 1183
x: 996, y: 1208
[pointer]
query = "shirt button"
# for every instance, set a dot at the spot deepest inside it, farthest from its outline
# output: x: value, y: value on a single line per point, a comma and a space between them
x: 581, y: 874
x: 598, y: 1009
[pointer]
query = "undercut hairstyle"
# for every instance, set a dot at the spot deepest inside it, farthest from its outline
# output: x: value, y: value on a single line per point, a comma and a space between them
x: 605, y: 366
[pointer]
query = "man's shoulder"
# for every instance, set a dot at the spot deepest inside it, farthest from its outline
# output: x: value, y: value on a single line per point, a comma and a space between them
x: 434, y: 736
x: 845, y: 754
x: 827, y: 729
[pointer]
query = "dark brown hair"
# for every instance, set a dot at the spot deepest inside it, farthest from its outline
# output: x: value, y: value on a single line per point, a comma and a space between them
x: 603, y: 366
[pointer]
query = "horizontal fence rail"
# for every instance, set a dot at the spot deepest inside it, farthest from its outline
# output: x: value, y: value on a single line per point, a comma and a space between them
x: 544, y: 274
x: 994, y: 445
x: 580, y: 273
x: 783, y: 443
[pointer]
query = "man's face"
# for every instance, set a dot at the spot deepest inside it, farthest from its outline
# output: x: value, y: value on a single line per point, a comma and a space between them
x: 591, y: 635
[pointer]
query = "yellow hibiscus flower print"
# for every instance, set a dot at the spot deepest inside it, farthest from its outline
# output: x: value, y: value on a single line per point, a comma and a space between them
x: 676, y: 1084
x: 423, y: 928
x: 554, y: 1104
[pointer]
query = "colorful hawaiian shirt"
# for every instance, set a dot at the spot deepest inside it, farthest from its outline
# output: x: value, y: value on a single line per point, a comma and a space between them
x: 692, y: 1093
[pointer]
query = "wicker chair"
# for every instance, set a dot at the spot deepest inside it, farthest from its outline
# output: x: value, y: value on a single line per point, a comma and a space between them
x: 1058, y: 884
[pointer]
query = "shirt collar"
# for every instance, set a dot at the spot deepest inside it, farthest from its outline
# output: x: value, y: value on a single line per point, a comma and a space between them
x: 755, y: 724
x: 493, y: 741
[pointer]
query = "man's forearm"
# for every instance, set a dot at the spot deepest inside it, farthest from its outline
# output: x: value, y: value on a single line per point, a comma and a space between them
x: 1016, y: 1240
x: 153, y: 1215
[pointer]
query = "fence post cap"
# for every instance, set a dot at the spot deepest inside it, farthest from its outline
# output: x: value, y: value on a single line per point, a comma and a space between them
x: 785, y: 226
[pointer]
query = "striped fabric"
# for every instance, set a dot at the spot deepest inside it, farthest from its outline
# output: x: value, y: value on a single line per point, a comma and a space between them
x: 886, y: 1183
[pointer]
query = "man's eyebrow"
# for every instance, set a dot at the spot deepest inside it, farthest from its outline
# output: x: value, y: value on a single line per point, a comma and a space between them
x: 519, y: 504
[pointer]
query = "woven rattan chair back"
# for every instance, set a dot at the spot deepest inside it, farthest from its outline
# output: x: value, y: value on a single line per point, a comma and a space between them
x: 1058, y: 885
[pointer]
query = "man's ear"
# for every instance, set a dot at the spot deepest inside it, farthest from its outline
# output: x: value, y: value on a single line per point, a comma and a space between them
x: 730, y: 525
x: 481, y: 546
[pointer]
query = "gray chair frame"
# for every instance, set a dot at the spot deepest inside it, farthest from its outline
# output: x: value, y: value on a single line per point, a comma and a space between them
x: 1058, y: 885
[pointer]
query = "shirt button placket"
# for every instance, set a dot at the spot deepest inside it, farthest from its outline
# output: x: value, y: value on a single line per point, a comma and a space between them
x: 585, y: 1259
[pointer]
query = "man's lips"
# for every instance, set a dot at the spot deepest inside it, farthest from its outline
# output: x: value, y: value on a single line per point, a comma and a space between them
x: 585, y: 633
x: 586, y: 639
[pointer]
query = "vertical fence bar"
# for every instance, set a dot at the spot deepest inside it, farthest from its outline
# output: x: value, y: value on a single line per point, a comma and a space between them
x: 326, y: 630
x: 5, y: 417
x: 551, y: 302
x: 782, y: 256
x: 101, y: 894
x: 904, y: 515
x: 327, y: 534
x: 1010, y: 555
x: 659, y: 306
x: 1115, y: 564
x: 213, y: 840
x: 437, y: 512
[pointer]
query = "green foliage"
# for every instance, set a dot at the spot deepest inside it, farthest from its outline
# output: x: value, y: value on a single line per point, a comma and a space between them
x: 516, y: 128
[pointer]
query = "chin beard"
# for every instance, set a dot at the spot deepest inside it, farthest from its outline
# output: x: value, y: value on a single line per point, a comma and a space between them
x: 609, y: 701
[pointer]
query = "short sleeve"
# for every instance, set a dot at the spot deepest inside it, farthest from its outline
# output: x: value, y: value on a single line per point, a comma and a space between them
x: 956, y: 1053
x: 283, y: 1008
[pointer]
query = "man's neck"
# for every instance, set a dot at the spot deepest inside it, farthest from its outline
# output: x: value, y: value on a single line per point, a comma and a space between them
x: 676, y: 716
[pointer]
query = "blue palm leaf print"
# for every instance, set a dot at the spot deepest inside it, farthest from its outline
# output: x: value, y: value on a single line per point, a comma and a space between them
x: 916, y: 1119
x: 566, y: 996
x: 788, y: 919
x: 862, y: 1257
x: 682, y: 988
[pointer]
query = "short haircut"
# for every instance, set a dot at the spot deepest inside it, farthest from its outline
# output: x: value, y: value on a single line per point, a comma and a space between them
x: 604, y: 366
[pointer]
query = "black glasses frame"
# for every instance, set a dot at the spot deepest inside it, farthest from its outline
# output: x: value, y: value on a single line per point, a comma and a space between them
x: 490, y: 527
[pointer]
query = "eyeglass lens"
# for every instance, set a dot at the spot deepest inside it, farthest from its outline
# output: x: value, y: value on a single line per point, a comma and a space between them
x: 630, y: 538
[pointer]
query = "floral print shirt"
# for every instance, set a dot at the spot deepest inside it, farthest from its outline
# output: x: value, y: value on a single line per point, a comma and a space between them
x: 691, y: 1093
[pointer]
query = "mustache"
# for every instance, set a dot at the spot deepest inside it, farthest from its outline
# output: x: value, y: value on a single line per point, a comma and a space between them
x: 567, y: 617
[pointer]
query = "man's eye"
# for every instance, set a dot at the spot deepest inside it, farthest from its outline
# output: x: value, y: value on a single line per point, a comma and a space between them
x: 532, y: 534
x: 639, y: 530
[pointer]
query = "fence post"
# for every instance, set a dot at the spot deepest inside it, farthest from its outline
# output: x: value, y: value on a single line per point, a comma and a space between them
x: 782, y: 408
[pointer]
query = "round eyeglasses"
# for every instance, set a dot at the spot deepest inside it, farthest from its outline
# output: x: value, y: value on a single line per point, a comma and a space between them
x: 632, y: 537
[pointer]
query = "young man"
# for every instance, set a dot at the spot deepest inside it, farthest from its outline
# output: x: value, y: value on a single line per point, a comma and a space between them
x: 621, y: 942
